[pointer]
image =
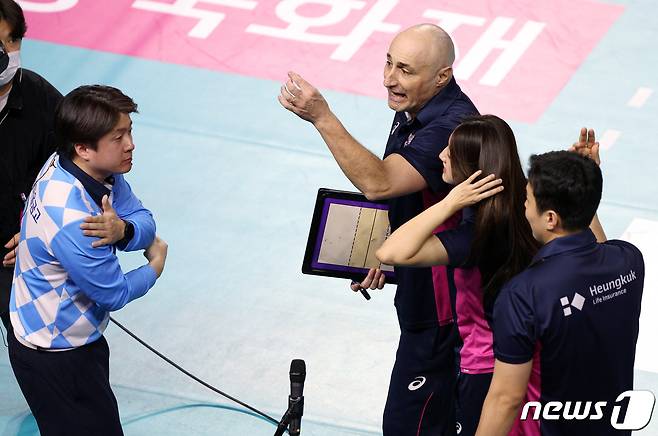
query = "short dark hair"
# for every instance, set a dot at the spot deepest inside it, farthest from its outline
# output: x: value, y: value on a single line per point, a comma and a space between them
x: 11, y: 12
x: 569, y: 184
x: 88, y: 113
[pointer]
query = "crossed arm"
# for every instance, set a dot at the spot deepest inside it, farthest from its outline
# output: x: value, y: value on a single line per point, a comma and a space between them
x: 96, y: 270
x: 109, y: 227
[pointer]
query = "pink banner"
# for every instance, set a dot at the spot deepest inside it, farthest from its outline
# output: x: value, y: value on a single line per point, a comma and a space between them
x: 513, y: 57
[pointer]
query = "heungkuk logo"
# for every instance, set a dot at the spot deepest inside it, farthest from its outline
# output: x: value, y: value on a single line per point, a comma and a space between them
x: 599, y: 292
x: 604, y: 292
x: 577, y: 302
x: 631, y: 410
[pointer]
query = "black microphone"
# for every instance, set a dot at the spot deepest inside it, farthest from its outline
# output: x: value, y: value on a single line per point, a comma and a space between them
x: 296, y: 399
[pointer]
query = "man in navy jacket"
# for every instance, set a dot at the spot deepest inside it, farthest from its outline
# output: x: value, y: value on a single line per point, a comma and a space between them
x: 566, y: 328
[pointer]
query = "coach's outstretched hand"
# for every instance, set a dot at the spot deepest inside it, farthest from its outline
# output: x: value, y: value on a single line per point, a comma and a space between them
x: 303, y: 99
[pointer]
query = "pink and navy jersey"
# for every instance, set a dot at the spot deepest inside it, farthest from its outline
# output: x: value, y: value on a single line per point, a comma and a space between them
x: 476, y: 349
x: 575, y: 313
x: 422, y: 298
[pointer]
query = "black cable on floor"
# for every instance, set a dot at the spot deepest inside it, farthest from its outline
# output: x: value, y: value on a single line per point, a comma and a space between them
x: 192, y: 376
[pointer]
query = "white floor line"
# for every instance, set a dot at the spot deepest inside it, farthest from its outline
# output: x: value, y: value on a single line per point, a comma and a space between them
x: 640, y: 97
x: 609, y: 138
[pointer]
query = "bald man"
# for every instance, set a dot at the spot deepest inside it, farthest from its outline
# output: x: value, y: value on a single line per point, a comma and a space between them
x: 429, y: 105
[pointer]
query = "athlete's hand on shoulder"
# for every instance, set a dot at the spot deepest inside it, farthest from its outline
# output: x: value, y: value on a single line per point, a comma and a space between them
x: 470, y: 191
x: 587, y: 145
x: 107, y: 226
x: 374, y: 280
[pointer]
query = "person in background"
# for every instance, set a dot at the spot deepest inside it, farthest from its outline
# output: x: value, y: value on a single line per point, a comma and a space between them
x: 27, y: 109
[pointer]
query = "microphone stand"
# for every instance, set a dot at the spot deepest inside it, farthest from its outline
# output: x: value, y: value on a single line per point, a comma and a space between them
x: 295, y: 410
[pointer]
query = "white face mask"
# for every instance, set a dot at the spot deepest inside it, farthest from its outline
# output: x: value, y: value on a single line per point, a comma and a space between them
x: 14, y: 64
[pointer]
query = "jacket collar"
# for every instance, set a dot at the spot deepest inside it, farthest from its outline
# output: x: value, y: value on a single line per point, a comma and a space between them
x: 564, y: 244
x: 93, y: 187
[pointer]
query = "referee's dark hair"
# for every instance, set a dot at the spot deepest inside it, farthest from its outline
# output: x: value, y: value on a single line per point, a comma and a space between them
x: 11, y: 12
x: 569, y: 184
x: 88, y: 113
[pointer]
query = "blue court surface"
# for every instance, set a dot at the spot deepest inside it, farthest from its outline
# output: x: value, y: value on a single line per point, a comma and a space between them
x: 231, y: 178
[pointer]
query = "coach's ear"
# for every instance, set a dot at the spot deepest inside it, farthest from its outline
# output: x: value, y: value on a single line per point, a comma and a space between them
x: 443, y: 76
x: 552, y: 220
x: 82, y: 150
